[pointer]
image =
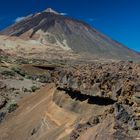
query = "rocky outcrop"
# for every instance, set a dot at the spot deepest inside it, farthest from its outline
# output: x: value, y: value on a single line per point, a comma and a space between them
x: 114, y: 84
x: 118, y: 81
x: 98, y: 101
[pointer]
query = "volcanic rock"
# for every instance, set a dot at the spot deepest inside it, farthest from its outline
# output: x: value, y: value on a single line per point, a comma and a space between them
x: 51, y: 28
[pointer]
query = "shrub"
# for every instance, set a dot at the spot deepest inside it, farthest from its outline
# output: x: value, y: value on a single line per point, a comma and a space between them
x: 19, y: 71
x: 26, y: 90
x: 43, y: 78
x: 12, y: 106
x: 21, y: 78
x: 34, y: 88
x: 8, y: 73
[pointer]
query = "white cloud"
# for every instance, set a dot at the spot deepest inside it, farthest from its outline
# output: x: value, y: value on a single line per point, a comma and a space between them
x: 91, y: 19
x: 63, y: 14
x: 19, y: 19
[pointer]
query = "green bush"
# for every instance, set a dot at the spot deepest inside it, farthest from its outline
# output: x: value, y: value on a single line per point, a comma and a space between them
x: 8, y: 73
x: 12, y: 106
x: 19, y: 71
x: 34, y: 88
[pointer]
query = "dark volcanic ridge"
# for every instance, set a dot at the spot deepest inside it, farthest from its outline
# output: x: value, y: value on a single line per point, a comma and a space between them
x: 51, y: 27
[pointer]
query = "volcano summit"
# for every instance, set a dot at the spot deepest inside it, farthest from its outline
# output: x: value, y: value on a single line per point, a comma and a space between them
x: 51, y: 28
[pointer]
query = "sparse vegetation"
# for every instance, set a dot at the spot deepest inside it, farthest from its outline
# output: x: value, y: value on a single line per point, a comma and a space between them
x: 8, y: 73
x: 34, y: 88
x: 12, y: 106
x: 19, y: 71
x: 33, y: 74
x: 21, y: 78
x: 39, y: 78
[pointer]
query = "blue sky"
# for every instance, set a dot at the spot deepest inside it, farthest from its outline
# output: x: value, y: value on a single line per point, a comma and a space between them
x: 119, y: 19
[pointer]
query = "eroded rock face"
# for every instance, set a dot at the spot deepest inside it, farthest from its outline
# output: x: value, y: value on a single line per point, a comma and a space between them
x: 118, y: 81
x: 103, y: 100
x: 121, y: 113
x: 104, y: 130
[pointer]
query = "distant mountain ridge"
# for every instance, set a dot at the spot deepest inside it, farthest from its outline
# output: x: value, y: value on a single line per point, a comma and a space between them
x: 50, y: 27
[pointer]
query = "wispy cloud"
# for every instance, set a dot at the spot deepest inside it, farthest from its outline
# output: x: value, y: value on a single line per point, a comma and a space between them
x: 91, y: 19
x: 19, y: 19
x: 63, y: 14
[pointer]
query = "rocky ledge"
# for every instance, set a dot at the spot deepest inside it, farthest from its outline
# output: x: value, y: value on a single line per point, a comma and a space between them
x: 114, y: 84
x: 117, y: 81
x: 105, y: 96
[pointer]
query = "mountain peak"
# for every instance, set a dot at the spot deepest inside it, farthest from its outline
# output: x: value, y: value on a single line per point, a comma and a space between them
x: 66, y: 33
x: 50, y: 10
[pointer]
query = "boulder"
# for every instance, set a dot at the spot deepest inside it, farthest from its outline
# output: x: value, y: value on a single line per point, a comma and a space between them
x: 2, y: 116
x: 121, y: 113
x: 137, y: 88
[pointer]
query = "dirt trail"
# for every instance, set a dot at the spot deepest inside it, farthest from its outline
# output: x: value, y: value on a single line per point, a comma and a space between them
x: 37, y: 118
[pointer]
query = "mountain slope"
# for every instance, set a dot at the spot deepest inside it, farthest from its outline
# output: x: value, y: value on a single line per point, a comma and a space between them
x: 49, y: 27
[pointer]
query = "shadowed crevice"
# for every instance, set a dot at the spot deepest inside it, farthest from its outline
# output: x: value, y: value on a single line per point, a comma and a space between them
x: 51, y: 68
x: 91, y: 99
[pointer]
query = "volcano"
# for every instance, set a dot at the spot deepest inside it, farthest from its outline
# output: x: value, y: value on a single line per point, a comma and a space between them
x: 50, y: 27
